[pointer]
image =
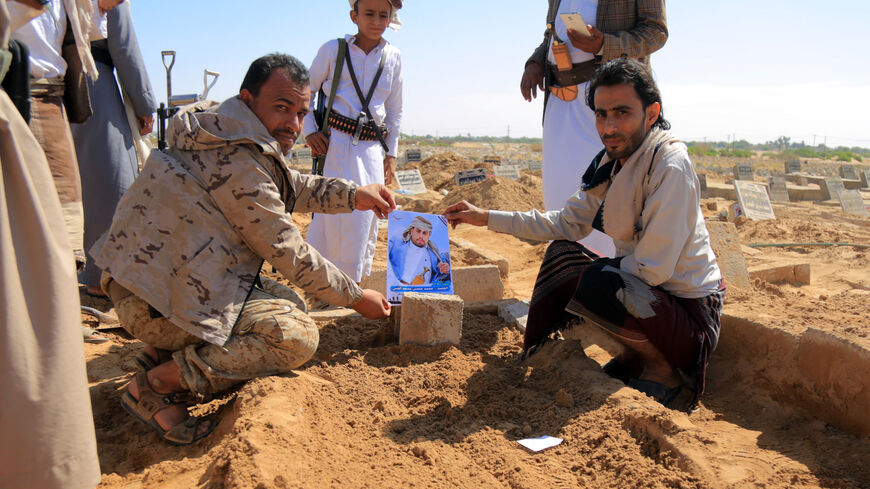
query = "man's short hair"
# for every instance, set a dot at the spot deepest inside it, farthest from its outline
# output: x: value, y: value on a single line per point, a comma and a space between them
x: 262, y: 68
x: 626, y: 71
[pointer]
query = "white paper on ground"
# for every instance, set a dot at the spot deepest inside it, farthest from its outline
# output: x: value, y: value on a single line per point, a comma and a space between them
x: 540, y: 443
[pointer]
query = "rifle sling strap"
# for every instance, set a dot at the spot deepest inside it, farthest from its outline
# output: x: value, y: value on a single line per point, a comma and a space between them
x: 336, y: 76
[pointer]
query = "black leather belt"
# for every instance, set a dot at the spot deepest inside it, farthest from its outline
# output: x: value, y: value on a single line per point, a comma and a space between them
x: 102, y: 56
x: 579, y: 73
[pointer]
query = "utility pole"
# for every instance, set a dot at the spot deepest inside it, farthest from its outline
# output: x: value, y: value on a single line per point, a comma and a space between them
x: 814, y: 140
x: 509, y: 131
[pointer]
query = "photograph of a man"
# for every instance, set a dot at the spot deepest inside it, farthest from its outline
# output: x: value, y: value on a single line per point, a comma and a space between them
x: 416, y: 260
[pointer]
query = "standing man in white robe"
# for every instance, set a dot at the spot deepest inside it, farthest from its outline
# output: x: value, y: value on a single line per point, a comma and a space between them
x: 617, y: 28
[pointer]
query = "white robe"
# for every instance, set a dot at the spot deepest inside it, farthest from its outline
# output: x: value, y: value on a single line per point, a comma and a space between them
x: 570, y: 137
x: 348, y: 240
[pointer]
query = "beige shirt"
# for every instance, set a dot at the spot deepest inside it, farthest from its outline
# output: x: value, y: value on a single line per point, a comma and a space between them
x: 671, y: 249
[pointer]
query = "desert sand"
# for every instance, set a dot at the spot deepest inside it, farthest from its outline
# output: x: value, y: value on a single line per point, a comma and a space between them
x: 367, y: 412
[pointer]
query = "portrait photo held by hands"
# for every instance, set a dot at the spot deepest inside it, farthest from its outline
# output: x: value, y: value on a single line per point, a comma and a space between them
x: 418, y: 255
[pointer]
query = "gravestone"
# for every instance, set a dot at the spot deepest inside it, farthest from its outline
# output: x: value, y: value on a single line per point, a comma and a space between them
x: 753, y: 200
x: 536, y: 165
x: 413, y: 155
x: 411, y: 181
x: 848, y: 172
x: 743, y: 171
x: 778, y: 190
x: 831, y: 187
x: 702, y: 180
x: 495, y: 160
x: 507, y: 171
x: 303, y: 155
x: 470, y: 176
x: 793, y: 166
x: 865, y: 178
x: 852, y: 202
x: 726, y: 245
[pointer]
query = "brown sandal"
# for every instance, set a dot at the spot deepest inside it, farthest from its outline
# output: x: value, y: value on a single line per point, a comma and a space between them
x: 150, y: 403
x: 147, y: 362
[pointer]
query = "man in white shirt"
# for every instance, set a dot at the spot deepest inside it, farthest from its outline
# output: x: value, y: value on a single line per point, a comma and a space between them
x: 662, y: 296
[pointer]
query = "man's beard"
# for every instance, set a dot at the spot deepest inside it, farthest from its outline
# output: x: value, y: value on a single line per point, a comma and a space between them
x: 633, y: 142
x: 418, y: 245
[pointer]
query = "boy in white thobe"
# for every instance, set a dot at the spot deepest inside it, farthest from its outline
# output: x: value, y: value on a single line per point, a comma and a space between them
x: 349, y: 240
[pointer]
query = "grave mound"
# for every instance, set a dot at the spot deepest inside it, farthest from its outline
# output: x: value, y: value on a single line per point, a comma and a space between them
x: 438, y: 170
x: 499, y: 194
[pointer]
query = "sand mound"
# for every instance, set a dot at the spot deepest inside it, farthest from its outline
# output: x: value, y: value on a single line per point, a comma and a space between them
x: 499, y: 194
x: 439, y: 170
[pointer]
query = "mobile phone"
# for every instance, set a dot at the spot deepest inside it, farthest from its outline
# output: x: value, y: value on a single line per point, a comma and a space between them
x: 575, y: 22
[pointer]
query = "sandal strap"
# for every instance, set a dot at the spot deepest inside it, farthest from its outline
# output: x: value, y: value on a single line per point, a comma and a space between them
x: 151, y: 402
x: 185, y: 433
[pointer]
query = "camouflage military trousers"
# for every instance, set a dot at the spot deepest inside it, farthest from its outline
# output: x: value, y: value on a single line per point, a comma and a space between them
x: 272, y: 336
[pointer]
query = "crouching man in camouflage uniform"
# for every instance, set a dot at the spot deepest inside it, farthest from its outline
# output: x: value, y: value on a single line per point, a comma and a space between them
x: 182, y: 258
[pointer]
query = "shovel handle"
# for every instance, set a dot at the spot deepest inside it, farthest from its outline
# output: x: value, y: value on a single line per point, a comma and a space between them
x: 206, y: 86
x: 168, y: 67
x: 171, y: 54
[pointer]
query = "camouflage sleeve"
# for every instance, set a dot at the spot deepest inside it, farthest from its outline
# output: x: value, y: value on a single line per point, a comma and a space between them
x: 321, y: 194
x: 251, y: 202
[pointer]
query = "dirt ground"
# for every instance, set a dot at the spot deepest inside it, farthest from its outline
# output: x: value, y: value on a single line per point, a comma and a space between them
x: 367, y: 412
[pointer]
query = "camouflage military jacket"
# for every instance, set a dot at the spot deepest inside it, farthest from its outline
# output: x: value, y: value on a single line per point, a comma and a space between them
x: 190, y: 235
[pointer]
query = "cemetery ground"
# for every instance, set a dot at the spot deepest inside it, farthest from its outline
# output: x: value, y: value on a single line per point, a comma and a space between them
x: 787, y: 400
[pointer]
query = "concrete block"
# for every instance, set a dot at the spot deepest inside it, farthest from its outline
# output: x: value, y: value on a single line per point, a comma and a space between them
x: 515, y: 313
x: 802, y: 273
x: 721, y: 190
x: 478, y: 283
x: 429, y: 319
x: 726, y: 244
x: 487, y: 256
x: 472, y: 284
x: 788, y: 273
x: 487, y: 307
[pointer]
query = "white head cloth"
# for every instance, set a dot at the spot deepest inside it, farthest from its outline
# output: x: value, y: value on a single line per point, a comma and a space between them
x: 395, y: 22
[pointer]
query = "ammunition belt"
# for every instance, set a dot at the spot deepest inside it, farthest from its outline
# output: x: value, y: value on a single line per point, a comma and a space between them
x: 347, y: 125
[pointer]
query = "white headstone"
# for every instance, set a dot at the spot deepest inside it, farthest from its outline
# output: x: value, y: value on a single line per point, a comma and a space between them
x: 411, y: 181
x: 507, y: 171
x: 793, y: 166
x: 778, y: 189
x: 743, y: 171
x: 848, y: 172
x: 303, y: 155
x: 753, y: 200
x: 833, y: 186
x: 852, y: 202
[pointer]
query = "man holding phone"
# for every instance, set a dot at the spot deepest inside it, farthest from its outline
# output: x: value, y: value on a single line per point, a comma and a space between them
x: 561, y: 67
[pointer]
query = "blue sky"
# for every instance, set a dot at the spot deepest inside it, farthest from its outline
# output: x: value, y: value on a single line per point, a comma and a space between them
x: 752, y: 70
